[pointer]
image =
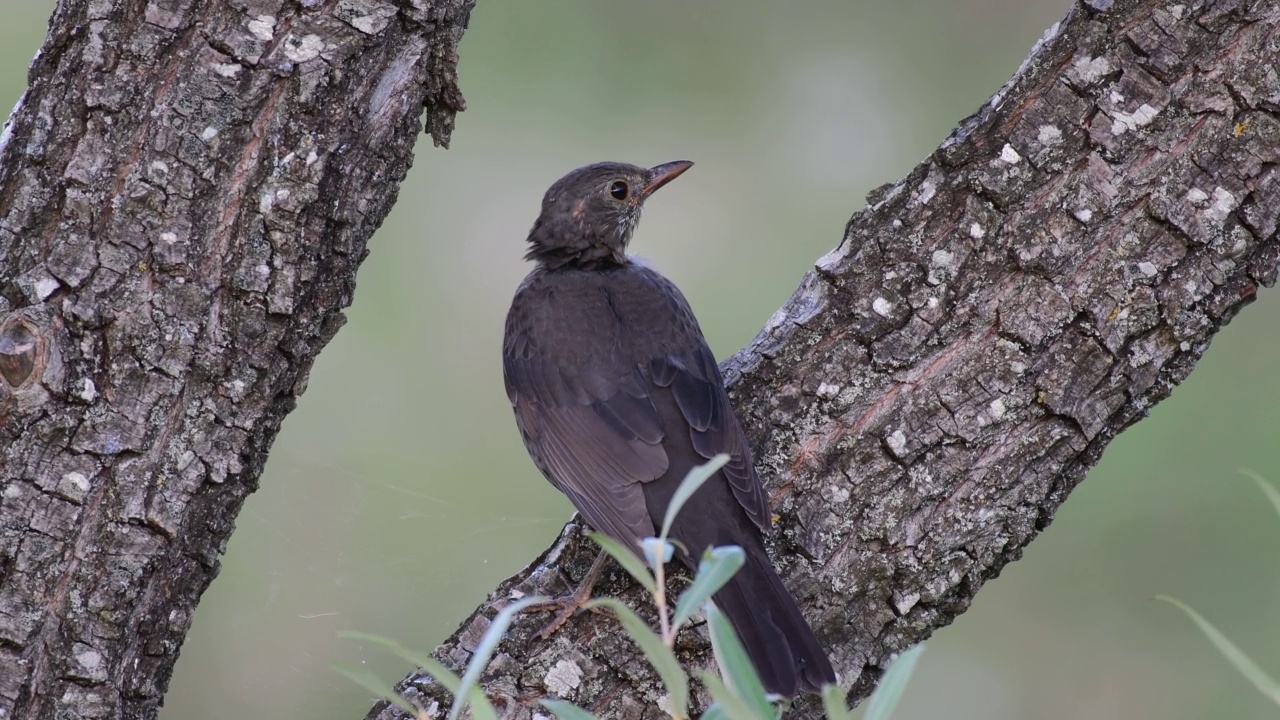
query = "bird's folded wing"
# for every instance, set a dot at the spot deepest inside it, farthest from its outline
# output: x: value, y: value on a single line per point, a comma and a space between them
x: 695, y: 382
x: 595, y: 438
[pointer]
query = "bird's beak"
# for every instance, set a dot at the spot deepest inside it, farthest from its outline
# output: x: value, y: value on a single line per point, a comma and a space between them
x: 663, y: 174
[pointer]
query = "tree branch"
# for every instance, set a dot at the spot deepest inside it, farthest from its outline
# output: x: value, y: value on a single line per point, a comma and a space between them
x: 933, y: 391
x: 187, y: 188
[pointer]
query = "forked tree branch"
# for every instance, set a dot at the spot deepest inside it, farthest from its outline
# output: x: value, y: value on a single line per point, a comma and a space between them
x: 942, y: 380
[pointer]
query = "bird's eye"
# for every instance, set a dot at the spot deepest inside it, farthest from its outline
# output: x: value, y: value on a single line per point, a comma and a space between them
x: 619, y: 189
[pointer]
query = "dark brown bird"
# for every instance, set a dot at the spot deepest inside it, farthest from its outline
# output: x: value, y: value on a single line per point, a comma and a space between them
x: 618, y: 396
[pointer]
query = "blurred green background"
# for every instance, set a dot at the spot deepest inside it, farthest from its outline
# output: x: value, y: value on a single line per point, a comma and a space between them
x: 398, y: 494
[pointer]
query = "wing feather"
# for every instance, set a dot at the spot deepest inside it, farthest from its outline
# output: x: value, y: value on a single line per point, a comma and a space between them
x: 596, y: 450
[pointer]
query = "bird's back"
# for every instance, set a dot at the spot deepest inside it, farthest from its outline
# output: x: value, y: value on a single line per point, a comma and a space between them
x: 625, y: 343
x: 598, y: 319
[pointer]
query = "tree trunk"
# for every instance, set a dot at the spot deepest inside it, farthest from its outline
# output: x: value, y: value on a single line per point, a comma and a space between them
x: 938, y: 385
x: 186, y: 190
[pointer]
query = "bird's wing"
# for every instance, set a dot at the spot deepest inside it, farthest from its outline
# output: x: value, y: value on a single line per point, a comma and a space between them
x: 694, y: 380
x: 592, y: 431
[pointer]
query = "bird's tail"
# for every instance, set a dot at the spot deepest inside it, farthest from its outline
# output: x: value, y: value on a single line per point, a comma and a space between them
x: 774, y: 633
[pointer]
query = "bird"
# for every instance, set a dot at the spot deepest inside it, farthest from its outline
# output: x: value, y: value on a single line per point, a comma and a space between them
x: 617, y: 397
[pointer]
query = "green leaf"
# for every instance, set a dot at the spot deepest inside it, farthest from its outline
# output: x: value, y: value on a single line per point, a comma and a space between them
x: 715, y: 712
x: 627, y: 559
x: 883, y: 701
x: 688, y: 487
x: 484, y: 651
x: 739, y: 672
x: 433, y: 667
x: 660, y: 656
x: 714, y: 570
x: 1267, y: 488
x: 366, y: 679
x: 1234, y: 655
x: 481, y: 708
x: 730, y: 704
x: 565, y: 710
x: 833, y: 703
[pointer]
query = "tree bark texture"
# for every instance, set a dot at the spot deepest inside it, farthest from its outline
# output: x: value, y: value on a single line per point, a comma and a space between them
x: 944, y: 378
x: 186, y: 190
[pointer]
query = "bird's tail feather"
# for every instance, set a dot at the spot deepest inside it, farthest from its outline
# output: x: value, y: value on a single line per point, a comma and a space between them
x: 774, y: 633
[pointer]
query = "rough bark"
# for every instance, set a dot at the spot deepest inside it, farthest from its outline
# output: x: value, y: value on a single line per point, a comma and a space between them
x: 186, y: 190
x: 942, y: 380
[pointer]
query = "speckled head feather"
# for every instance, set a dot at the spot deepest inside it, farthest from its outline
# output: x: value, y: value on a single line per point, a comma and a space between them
x: 589, y: 215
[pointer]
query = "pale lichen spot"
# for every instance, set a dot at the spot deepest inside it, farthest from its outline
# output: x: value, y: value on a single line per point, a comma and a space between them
x: 168, y: 238
x: 86, y: 390
x: 1088, y: 70
x: 1123, y: 122
x: 76, y: 480
x: 838, y: 495
x: 563, y: 678
x: 44, y: 287
x: 307, y: 47
x: 89, y: 659
x: 897, y: 442
x: 1084, y: 215
x: 263, y: 27
x: 997, y: 408
x: 904, y: 603
x: 227, y: 70
x: 882, y: 307
x: 1049, y: 135
x: 1196, y: 196
x: 828, y: 390
x: 1223, y: 203
x: 1009, y: 155
x: 209, y: 133
x: 1147, y: 268
x: 926, y: 192
x: 940, y: 266
x: 976, y: 232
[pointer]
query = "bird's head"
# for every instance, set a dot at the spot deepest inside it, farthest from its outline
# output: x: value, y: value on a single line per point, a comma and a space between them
x: 588, y: 216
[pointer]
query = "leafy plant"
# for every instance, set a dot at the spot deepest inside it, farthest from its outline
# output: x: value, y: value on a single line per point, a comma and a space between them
x: 737, y: 692
x: 1233, y: 654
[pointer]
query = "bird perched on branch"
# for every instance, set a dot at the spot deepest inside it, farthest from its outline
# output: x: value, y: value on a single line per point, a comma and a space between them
x: 617, y: 397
